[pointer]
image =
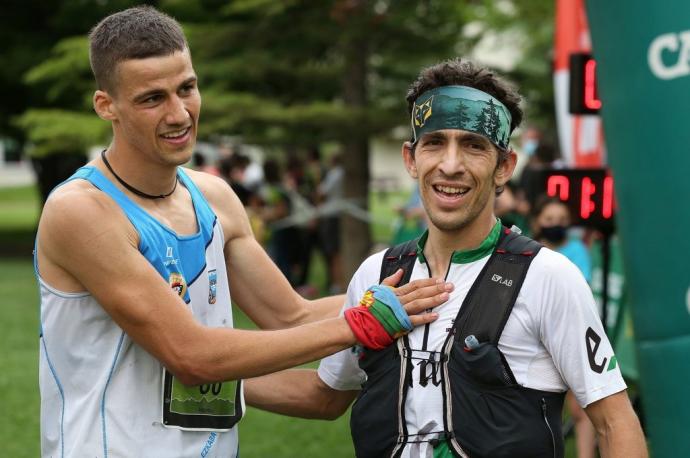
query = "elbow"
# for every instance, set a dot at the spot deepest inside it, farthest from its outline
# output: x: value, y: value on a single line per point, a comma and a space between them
x: 332, y: 415
x: 299, y: 314
x: 187, y: 373
x: 191, y: 369
x: 334, y: 408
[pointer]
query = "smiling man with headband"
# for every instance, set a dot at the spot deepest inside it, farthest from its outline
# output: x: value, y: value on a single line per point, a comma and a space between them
x: 486, y: 379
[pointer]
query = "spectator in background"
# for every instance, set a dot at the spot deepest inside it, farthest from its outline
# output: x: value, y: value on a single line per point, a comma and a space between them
x: 200, y: 163
x: 330, y: 192
x: 544, y: 158
x: 550, y: 223
x: 512, y: 208
x: 302, y: 193
x: 277, y: 207
x: 412, y: 220
x: 232, y: 169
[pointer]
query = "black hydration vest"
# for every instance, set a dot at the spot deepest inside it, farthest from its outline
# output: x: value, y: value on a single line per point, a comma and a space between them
x: 486, y: 414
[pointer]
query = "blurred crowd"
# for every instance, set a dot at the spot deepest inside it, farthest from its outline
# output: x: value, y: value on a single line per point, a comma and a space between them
x: 290, y: 203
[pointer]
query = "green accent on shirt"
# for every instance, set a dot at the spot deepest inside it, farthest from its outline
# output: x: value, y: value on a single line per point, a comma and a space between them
x: 612, y: 363
x: 442, y: 450
x: 466, y: 256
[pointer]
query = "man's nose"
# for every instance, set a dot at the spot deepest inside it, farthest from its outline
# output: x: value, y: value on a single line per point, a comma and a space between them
x: 177, y: 112
x: 453, y: 160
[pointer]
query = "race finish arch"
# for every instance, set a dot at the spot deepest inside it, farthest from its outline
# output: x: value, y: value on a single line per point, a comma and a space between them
x: 643, y: 70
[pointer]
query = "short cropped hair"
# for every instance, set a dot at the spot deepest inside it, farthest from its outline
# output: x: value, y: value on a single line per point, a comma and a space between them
x: 135, y: 33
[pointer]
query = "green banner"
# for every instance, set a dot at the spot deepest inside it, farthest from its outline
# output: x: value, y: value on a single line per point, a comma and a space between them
x: 643, y: 68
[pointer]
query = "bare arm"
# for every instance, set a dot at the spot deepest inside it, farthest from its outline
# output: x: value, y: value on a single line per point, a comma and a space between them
x: 617, y: 426
x: 85, y: 234
x: 297, y: 393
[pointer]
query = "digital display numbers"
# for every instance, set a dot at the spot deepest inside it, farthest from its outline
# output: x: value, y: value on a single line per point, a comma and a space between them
x: 583, y: 96
x: 587, y: 192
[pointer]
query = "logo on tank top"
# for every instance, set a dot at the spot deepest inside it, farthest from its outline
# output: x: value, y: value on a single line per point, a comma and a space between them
x: 170, y: 258
x: 178, y: 283
x: 212, y: 280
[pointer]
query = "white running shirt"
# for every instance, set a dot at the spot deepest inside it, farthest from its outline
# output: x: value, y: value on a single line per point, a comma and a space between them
x: 544, y: 340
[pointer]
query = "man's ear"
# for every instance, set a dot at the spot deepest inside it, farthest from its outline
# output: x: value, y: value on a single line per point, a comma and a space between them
x: 104, y: 106
x: 408, y: 159
x: 505, y: 169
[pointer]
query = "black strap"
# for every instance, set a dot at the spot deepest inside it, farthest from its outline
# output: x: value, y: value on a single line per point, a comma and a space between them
x: 491, y: 298
x: 400, y: 256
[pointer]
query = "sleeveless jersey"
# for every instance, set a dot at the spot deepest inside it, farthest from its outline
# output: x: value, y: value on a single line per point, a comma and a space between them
x: 102, y: 395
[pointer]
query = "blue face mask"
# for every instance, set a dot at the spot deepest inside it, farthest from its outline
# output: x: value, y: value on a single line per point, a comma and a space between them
x: 530, y: 146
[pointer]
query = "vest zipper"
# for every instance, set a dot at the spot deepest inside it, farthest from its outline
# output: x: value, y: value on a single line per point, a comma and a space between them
x: 402, y: 436
x: 548, y: 425
x: 455, y: 445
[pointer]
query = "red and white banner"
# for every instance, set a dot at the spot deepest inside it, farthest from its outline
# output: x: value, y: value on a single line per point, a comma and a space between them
x: 581, y: 136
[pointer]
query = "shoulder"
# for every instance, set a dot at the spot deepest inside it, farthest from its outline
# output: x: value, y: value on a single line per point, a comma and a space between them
x: 215, y: 189
x: 78, y: 215
x: 79, y: 202
x: 224, y: 203
x: 366, y: 275
x: 370, y: 269
x: 554, y: 284
x: 553, y: 267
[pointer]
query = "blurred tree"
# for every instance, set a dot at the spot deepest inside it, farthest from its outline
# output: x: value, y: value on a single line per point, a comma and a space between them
x: 48, y: 83
x: 299, y: 73
x: 282, y: 74
x: 530, y: 24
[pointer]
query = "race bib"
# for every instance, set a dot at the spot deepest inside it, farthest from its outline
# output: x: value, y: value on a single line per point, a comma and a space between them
x: 211, y: 406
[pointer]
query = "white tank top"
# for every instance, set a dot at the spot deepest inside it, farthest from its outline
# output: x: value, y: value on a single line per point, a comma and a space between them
x: 102, y: 395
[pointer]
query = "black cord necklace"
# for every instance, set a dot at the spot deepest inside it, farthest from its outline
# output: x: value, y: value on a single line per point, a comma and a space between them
x: 132, y: 188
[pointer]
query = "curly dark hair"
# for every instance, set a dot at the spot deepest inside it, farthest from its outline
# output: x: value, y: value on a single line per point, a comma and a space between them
x: 456, y: 72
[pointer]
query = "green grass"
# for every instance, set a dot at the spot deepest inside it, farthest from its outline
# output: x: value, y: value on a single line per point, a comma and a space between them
x: 19, y: 422
x: 19, y: 208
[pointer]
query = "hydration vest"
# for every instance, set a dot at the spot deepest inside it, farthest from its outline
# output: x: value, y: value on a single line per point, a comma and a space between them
x: 486, y: 414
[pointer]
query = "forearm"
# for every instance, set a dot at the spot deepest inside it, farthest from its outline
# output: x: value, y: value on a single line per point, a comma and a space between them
x: 240, y: 353
x: 297, y: 393
x: 624, y: 440
x: 618, y: 429
x: 323, y: 308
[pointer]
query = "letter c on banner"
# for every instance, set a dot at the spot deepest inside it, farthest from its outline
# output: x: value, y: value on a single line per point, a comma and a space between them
x: 670, y: 42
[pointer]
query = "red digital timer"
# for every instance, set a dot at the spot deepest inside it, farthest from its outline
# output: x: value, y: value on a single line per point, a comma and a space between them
x: 587, y: 192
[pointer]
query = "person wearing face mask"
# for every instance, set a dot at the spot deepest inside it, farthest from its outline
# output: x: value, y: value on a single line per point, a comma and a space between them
x: 550, y: 226
x: 550, y: 223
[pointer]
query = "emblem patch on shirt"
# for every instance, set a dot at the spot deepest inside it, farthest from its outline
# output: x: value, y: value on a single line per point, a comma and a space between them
x: 178, y: 283
x: 212, y: 280
x: 593, y: 340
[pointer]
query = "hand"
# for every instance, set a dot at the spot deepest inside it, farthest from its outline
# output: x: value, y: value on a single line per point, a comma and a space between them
x: 420, y: 296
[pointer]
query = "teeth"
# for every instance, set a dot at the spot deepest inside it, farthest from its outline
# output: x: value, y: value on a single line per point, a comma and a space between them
x: 451, y: 190
x: 174, y: 134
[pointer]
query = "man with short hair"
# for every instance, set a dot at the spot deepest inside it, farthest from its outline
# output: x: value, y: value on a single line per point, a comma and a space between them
x: 487, y: 379
x: 136, y: 258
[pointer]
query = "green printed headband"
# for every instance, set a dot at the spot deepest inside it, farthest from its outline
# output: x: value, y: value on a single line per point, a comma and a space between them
x: 461, y: 107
